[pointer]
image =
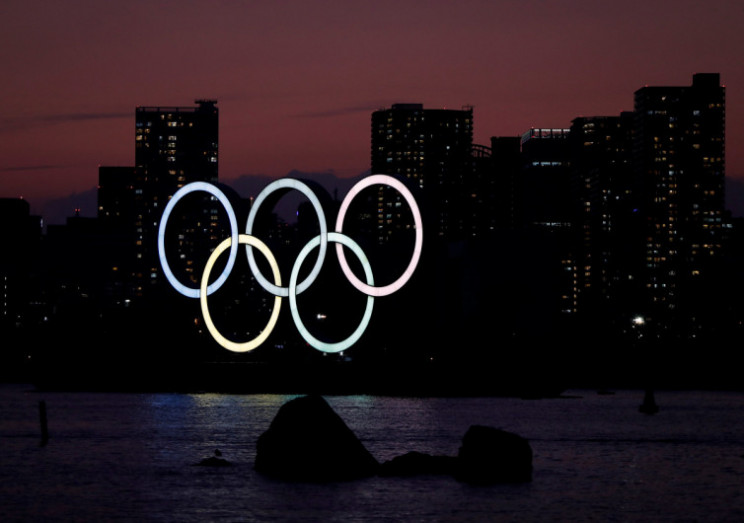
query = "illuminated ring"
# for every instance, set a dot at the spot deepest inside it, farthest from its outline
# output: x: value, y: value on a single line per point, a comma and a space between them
x: 381, y: 179
x: 219, y: 338
x: 183, y: 191
x: 288, y: 183
x: 354, y: 337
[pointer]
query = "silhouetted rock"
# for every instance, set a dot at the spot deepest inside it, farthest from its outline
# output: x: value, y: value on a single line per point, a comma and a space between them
x: 214, y: 461
x: 490, y: 455
x: 308, y: 441
x: 418, y: 463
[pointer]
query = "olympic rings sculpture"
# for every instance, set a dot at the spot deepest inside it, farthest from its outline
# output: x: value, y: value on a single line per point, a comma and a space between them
x: 294, y: 287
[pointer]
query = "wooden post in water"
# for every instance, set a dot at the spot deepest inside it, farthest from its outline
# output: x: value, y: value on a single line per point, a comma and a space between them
x: 649, y: 405
x: 43, y: 423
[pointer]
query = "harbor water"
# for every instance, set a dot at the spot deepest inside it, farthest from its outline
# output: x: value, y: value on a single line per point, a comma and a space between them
x: 130, y: 457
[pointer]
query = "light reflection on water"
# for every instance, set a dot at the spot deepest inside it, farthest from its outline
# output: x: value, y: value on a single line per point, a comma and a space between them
x: 129, y: 457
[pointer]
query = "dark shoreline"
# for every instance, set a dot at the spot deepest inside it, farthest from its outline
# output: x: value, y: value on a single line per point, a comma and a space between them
x: 292, y: 379
x: 335, y: 378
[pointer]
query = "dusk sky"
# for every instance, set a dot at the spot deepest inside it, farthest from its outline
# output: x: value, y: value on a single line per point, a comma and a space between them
x: 296, y: 81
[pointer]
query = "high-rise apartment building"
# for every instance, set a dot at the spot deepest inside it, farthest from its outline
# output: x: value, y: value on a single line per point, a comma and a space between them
x: 605, y: 215
x: 648, y: 207
x: 174, y: 146
x: 21, y: 233
x: 680, y: 160
x: 116, y: 221
x: 21, y: 308
x: 545, y: 168
x: 545, y: 207
x: 481, y: 195
x: 432, y: 148
x: 506, y: 159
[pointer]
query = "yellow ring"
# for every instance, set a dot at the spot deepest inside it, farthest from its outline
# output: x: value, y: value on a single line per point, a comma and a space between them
x: 219, y: 338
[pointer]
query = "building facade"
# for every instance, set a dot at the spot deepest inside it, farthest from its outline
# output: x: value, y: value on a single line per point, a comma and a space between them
x: 22, y: 233
x: 606, y: 219
x: 116, y: 221
x: 174, y: 146
x: 432, y: 149
x: 679, y: 158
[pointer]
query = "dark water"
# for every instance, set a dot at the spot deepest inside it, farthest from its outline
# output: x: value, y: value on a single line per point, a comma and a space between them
x: 128, y: 457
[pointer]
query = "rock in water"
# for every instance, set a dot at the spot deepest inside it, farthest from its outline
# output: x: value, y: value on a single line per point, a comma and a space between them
x: 489, y: 455
x: 308, y: 441
x: 214, y: 461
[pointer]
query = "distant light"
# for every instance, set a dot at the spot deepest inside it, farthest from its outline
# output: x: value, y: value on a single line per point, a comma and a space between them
x: 639, y: 320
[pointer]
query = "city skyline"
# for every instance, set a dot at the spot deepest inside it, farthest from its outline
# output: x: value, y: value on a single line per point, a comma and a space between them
x: 577, y: 262
x: 296, y: 84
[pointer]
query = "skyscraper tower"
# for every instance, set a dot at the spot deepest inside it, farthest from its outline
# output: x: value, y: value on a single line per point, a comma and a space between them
x: 21, y: 232
x: 432, y: 148
x: 545, y: 205
x: 605, y: 216
x: 116, y: 220
x: 174, y: 146
x: 545, y: 168
x: 680, y: 160
x: 506, y: 157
